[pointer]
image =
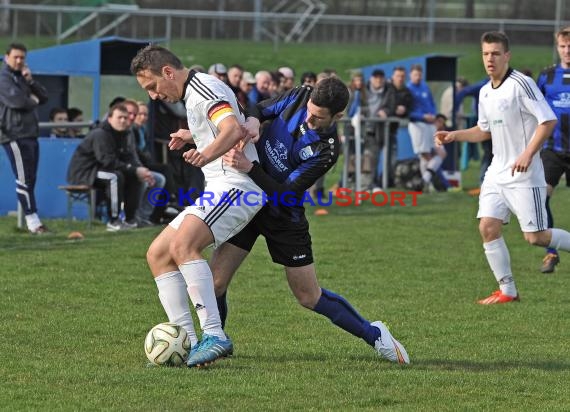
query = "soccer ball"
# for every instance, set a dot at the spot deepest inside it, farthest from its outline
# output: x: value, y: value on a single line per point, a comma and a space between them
x: 166, y: 344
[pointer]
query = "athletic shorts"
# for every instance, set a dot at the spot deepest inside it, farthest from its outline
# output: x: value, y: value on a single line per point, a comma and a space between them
x: 555, y: 165
x: 288, y: 244
x: 526, y: 203
x: 421, y: 135
x: 223, y: 209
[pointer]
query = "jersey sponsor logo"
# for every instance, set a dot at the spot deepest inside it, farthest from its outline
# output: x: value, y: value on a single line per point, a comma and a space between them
x: 563, y: 101
x: 306, y: 152
x: 276, y: 155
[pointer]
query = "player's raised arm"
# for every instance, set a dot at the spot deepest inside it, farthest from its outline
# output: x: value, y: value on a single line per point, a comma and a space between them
x: 230, y: 133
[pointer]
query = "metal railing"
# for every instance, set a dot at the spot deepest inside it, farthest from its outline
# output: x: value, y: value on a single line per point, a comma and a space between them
x: 360, y: 125
x: 43, y: 20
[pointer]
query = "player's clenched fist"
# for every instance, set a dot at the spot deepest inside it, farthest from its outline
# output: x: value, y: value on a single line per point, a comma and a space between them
x: 195, y: 158
x: 442, y: 137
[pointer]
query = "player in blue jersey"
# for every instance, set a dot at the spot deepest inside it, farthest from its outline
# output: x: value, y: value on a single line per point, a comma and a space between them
x: 554, y: 83
x: 298, y: 146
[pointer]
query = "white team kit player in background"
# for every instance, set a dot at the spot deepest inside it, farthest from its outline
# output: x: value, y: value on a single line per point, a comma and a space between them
x: 175, y: 256
x: 515, y: 115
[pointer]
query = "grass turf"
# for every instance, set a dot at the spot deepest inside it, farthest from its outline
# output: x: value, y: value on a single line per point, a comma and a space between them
x: 74, y: 315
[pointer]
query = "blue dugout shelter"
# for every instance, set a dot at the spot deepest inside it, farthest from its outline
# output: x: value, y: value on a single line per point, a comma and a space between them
x: 53, y: 66
x: 437, y: 68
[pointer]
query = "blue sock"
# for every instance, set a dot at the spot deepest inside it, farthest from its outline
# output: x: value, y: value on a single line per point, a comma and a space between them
x: 222, y: 308
x: 339, y: 311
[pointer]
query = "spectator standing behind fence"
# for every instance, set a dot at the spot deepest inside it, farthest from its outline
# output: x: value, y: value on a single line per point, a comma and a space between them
x: 260, y: 89
x: 555, y: 154
x: 446, y: 102
x: 381, y: 104
x: 403, y: 106
x: 473, y: 90
x: 20, y: 94
x: 107, y: 159
x: 245, y: 86
x: 421, y: 126
x: 357, y: 105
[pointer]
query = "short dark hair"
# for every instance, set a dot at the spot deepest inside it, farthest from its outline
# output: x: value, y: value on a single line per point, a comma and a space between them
x: 16, y: 46
x: 154, y: 58
x: 496, y: 37
x: 73, y: 112
x: 56, y: 110
x: 378, y: 73
x: 331, y: 93
x: 117, y: 100
x: 308, y: 76
x: 117, y: 107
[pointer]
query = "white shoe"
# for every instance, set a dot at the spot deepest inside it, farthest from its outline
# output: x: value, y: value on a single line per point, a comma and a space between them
x: 388, y: 347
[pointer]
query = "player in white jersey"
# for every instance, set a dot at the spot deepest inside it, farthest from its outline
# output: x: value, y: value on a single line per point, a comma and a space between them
x: 515, y: 115
x: 175, y: 256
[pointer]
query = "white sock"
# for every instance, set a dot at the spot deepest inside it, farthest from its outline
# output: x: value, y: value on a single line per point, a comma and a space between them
x: 560, y: 239
x: 174, y: 298
x: 500, y: 262
x: 435, y: 163
x: 427, y: 176
x: 33, y: 221
x: 200, y: 281
x: 423, y: 165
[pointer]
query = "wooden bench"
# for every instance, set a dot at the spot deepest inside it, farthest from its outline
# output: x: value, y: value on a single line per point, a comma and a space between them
x: 80, y: 194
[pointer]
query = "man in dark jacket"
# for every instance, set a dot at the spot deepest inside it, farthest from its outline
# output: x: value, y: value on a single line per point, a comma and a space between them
x: 107, y: 158
x: 19, y: 129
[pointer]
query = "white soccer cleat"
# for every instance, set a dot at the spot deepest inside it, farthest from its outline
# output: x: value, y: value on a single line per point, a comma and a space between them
x: 388, y: 347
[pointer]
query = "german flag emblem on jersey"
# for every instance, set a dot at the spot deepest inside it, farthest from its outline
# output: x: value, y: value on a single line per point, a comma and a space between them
x: 219, y: 111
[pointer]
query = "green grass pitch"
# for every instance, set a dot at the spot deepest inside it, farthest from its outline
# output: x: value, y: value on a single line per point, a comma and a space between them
x: 74, y: 316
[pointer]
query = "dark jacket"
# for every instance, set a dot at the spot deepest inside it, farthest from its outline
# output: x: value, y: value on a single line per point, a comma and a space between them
x: 18, y: 116
x: 103, y: 149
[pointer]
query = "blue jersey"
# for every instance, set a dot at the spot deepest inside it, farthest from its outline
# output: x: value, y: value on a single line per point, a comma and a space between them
x: 291, y: 156
x: 554, y: 83
x: 422, y: 103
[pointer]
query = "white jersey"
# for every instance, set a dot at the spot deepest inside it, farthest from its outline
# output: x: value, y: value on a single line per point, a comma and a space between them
x: 209, y: 101
x: 511, y: 112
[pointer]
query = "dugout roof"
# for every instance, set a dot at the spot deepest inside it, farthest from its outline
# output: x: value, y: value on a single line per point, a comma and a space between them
x: 91, y: 58
x: 437, y: 67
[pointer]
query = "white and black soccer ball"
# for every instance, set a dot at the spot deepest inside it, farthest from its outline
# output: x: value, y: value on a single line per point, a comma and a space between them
x: 167, y: 344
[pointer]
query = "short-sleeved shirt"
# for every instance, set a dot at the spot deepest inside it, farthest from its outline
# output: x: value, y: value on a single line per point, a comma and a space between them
x: 208, y: 102
x: 511, y: 112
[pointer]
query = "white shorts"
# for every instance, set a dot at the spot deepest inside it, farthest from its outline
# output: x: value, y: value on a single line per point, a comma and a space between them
x: 526, y: 203
x: 421, y: 135
x: 223, y: 209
